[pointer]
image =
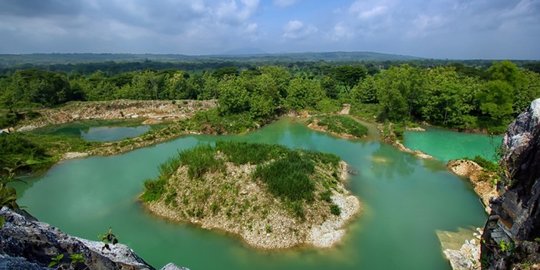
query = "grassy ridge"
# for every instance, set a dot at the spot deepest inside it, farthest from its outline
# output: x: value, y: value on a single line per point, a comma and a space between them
x: 340, y: 124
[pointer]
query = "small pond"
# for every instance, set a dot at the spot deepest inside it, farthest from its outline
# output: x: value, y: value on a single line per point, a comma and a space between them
x: 98, y: 131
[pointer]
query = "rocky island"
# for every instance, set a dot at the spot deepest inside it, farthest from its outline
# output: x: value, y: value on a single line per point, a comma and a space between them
x: 270, y: 196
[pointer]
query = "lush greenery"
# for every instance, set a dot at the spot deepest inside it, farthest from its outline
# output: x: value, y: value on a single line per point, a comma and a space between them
x: 288, y: 174
x: 454, y: 95
x: 19, y: 153
x: 446, y: 97
x: 340, y: 124
x: 450, y: 95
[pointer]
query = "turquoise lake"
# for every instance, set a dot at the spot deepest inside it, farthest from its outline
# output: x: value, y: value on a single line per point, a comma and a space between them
x: 405, y: 201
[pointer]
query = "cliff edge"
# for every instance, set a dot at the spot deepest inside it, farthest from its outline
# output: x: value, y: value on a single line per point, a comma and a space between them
x: 511, y: 238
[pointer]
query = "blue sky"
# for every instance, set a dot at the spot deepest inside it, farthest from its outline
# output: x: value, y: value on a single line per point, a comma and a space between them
x: 488, y: 29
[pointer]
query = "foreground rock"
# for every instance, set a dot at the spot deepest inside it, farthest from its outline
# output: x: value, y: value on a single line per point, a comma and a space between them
x: 483, y: 181
x: 511, y: 238
x: 26, y: 243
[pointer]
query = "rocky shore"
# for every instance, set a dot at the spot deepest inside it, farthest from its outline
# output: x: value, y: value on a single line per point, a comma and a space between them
x: 483, y: 181
x: 29, y: 244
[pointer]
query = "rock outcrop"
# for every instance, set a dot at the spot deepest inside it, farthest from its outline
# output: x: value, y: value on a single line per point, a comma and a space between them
x: 26, y: 243
x: 511, y: 238
x: 481, y: 179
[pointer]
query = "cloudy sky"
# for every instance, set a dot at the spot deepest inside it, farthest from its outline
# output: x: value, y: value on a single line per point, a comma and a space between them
x: 438, y: 29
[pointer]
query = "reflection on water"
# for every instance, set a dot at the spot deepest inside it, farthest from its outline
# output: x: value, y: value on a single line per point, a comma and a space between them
x: 107, y: 134
x: 97, y: 130
x: 405, y: 201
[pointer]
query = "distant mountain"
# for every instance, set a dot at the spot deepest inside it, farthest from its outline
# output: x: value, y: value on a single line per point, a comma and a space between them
x: 250, y: 55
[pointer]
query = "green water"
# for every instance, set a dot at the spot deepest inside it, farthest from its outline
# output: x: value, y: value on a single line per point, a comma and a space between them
x: 98, y: 130
x: 446, y: 144
x: 107, y: 134
x: 405, y: 201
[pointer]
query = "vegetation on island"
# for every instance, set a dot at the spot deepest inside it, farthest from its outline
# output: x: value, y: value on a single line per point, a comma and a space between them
x: 271, y: 196
x: 295, y: 177
x: 340, y: 125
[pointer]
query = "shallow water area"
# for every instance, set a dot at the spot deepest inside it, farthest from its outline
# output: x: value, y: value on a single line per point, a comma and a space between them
x: 446, y: 145
x: 405, y: 202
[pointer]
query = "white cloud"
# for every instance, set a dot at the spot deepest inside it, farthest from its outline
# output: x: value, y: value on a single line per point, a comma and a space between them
x: 367, y: 10
x: 296, y: 29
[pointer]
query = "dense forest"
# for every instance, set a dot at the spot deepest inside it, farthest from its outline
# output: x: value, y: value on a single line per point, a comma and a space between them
x: 455, y: 96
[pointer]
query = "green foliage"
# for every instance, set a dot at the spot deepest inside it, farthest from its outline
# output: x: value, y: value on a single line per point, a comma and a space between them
x: 486, y: 164
x: 211, y: 122
x: 243, y: 153
x: 327, y: 105
x: 506, y: 246
x: 335, y: 210
x: 76, y: 258
x: 2, y: 221
x: 20, y: 153
x: 153, y: 190
x: 343, y: 125
x: 303, y: 93
x: 288, y: 177
x: 365, y: 91
x: 233, y: 96
x: 9, y: 119
x: 326, y: 196
x: 37, y: 87
x: 56, y: 260
x: 495, y: 101
x: 200, y: 160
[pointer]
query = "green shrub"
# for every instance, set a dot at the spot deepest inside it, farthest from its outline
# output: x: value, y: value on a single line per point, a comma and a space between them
x: 200, y: 160
x: 335, y: 210
x: 326, y: 196
x: 288, y: 177
x: 486, y: 164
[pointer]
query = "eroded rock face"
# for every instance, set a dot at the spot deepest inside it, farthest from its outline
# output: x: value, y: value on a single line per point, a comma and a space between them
x: 511, y: 237
x: 26, y: 243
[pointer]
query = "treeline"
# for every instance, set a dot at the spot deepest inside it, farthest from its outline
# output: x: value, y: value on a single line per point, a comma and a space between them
x: 456, y: 95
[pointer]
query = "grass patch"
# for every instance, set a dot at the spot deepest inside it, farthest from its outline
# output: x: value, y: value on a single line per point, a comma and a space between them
x: 486, y: 164
x: 243, y: 153
x: 200, y: 160
x: 343, y: 125
x: 155, y: 188
x: 288, y: 177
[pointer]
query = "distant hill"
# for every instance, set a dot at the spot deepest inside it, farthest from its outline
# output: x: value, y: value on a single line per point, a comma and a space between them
x: 12, y: 60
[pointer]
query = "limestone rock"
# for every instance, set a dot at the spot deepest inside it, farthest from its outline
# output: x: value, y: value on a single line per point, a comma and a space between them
x: 511, y: 235
x: 26, y: 243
